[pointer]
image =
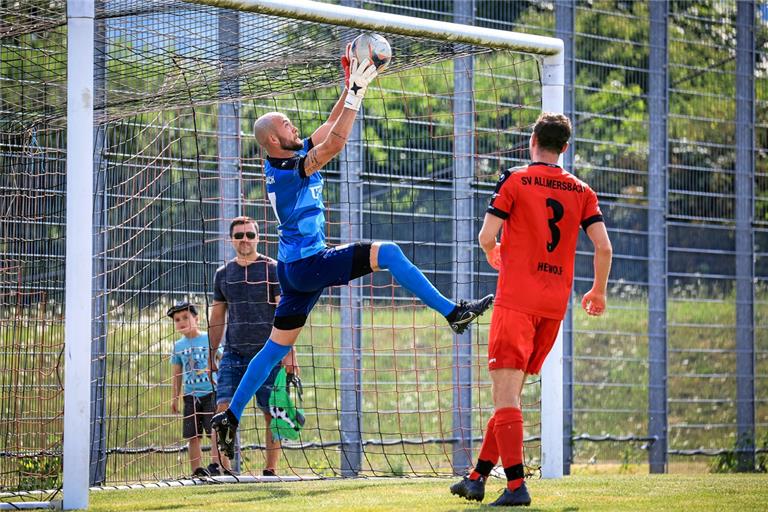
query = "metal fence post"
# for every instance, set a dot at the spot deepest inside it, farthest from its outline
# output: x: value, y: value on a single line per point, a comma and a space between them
x: 228, y: 138
x: 745, y: 136
x: 99, y: 304
x: 228, y: 129
x: 463, y: 151
x: 657, y: 237
x: 351, y: 311
x: 351, y: 198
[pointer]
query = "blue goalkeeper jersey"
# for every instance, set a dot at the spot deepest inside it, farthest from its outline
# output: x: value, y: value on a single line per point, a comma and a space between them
x: 297, y: 200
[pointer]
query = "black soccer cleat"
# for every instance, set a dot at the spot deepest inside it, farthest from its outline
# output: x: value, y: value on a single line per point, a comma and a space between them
x: 225, y: 425
x: 517, y: 498
x: 469, y: 489
x: 468, y: 311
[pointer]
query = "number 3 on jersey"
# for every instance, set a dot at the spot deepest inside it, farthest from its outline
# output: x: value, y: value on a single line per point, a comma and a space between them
x: 557, y: 215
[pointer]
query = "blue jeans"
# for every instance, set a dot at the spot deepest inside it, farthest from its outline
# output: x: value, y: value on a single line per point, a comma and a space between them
x: 231, y: 370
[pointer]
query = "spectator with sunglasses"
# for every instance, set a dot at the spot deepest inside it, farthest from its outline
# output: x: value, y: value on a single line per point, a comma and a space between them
x: 245, y: 294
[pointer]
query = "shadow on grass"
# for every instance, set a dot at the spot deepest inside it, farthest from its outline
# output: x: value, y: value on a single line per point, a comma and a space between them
x: 264, y: 494
x: 477, y: 507
x: 166, y: 507
x: 345, y: 488
x: 486, y: 508
x: 270, y: 491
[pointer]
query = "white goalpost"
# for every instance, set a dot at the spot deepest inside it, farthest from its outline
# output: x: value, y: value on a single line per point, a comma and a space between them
x: 80, y: 232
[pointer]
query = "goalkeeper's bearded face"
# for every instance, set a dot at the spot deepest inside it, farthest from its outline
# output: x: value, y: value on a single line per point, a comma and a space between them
x: 288, y: 135
x: 291, y: 145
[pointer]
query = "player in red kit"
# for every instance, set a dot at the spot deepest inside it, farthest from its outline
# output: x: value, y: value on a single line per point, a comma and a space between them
x: 540, y: 207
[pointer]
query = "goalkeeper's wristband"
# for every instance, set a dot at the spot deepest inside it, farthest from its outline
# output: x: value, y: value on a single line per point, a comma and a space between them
x: 353, y: 101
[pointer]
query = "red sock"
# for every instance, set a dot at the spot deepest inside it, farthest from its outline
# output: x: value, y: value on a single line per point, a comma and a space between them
x: 489, y: 453
x: 509, y: 439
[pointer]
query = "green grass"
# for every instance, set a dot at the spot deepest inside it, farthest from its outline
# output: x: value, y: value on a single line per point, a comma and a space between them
x: 575, y: 493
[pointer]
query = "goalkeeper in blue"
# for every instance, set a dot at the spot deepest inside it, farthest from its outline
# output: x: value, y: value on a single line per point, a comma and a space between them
x: 306, y: 265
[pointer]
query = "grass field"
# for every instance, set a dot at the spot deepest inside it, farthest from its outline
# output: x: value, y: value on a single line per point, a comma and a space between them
x: 686, y: 493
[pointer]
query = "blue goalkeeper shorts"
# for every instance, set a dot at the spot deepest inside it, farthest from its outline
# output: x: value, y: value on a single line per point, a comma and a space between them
x: 303, y: 281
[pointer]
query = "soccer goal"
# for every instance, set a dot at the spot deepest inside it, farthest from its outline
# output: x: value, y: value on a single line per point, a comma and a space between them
x: 161, y: 97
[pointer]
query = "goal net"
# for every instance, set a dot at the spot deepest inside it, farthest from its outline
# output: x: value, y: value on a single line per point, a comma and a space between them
x: 388, y: 390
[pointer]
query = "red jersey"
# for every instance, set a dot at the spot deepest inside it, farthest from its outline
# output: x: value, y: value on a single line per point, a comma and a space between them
x: 542, y: 206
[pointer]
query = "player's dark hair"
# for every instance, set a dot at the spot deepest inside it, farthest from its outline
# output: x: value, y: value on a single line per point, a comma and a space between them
x: 552, y: 131
x: 238, y: 221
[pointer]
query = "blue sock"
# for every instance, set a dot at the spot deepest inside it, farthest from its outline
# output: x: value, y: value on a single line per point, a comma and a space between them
x: 258, y: 371
x: 409, y: 277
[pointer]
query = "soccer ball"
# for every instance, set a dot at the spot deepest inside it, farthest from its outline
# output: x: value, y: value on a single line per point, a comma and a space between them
x: 374, y: 48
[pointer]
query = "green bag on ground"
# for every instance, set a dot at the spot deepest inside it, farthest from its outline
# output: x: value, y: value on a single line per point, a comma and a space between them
x: 287, y: 418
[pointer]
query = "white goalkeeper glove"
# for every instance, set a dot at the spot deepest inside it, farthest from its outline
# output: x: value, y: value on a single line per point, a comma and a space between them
x: 360, y: 75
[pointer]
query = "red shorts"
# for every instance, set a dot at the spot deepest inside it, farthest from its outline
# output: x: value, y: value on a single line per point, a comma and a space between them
x: 519, y: 340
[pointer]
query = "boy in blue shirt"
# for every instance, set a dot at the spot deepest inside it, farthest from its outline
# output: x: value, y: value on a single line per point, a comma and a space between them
x: 190, y: 367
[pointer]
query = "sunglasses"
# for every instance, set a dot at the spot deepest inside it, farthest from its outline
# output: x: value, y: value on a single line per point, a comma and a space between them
x: 239, y: 236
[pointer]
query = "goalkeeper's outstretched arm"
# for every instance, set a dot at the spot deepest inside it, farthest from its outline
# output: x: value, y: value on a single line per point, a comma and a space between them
x: 321, y: 133
x: 360, y: 76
